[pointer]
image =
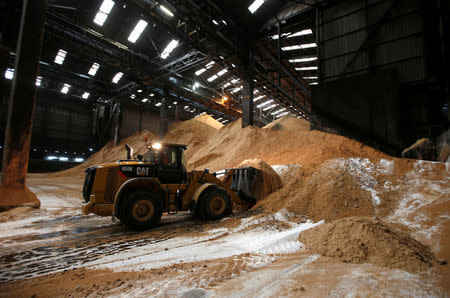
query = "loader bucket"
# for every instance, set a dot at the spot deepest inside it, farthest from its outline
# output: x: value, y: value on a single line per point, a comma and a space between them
x: 245, y: 182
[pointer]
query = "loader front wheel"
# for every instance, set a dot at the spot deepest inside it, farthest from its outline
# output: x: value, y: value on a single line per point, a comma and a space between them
x: 215, y: 204
x: 140, y: 210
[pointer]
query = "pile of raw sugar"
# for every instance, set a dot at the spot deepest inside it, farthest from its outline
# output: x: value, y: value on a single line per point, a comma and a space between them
x: 364, y: 239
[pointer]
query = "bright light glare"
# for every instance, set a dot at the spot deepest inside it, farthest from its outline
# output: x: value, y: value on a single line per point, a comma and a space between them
x: 63, y: 158
x: 60, y: 56
x: 255, y: 5
x: 85, y: 95
x: 156, y: 146
x: 51, y: 157
x: 166, y: 10
x: 93, y: 69
x: 144, y: 100
x: 38, y: 81
x: 117, y: 77
x: 9, y: 73
x: 172, y: 45
x: 65, y: 88
x: 138, y: 29
x: 78, y: 159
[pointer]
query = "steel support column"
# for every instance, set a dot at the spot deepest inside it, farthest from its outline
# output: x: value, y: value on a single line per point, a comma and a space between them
x: 178, y: 107
x: 163, y: 114
x: 13, y: 191
x: 247, y: 89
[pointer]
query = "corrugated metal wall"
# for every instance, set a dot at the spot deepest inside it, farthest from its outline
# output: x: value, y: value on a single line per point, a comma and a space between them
x: 361, y: 35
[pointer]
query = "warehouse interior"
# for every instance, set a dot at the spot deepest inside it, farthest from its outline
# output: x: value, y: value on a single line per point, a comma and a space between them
x: 339, y: 107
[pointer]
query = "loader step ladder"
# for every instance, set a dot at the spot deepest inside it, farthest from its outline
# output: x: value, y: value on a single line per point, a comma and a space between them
x: 173, y: 202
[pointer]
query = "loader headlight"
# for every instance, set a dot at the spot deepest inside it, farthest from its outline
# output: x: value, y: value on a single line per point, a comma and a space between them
x: 156, y: 146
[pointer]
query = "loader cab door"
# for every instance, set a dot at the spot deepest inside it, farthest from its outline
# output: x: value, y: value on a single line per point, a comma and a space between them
x: 172, y: 166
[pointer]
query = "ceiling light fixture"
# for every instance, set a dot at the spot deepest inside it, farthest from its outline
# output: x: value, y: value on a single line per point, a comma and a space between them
x: 166, y: 10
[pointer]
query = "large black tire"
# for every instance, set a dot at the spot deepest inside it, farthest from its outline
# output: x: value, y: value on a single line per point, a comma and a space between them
x: 214, y: 204
x: 140, y: 210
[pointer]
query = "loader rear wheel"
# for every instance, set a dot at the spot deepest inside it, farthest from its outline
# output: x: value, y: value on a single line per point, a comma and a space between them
x: 215, y: 204
x: 140, y: 210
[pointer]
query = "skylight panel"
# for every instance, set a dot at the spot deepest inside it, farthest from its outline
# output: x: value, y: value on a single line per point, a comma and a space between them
x: 166, y: 10
x: 100, y: 18
x: 200, y: 71
x: 282, y: 35
x: 299, y: 47
x: 305, y: 59
x: 117, y: 77
x: 65, y: 88
x: 278, y: 111
x: 169, y: 48
x: 212, y: 78
x: 103, y: 12
x: 270, y: 107
x: 256, y: 5
x: 226, y: 85
x: 236, y: 90
x: 38, y: 81
x: 60, y: 56
x: 93, y: 69
x: 85, y: 95
x: 314, y: 83
x: 222, y: 72
x: 210, y: 64
x: 158, y: 104
x: 233, y: 81
x: 282, y: 114
x: 310, y: 78
x: 137, y: 31
x: 9, y: 73
x: 133, y: 96
x: 301, y: 33
x: 258, y: 98
x: 306, y: 68
x: 264, y: 103
x: 144, y: 99
x: 107, y: 6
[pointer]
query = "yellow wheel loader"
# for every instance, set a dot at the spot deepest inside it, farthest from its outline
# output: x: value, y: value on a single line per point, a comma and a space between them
x: 138, y: 191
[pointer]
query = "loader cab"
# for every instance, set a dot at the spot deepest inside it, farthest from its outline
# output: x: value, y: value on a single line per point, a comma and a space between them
x: 169, y: 160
